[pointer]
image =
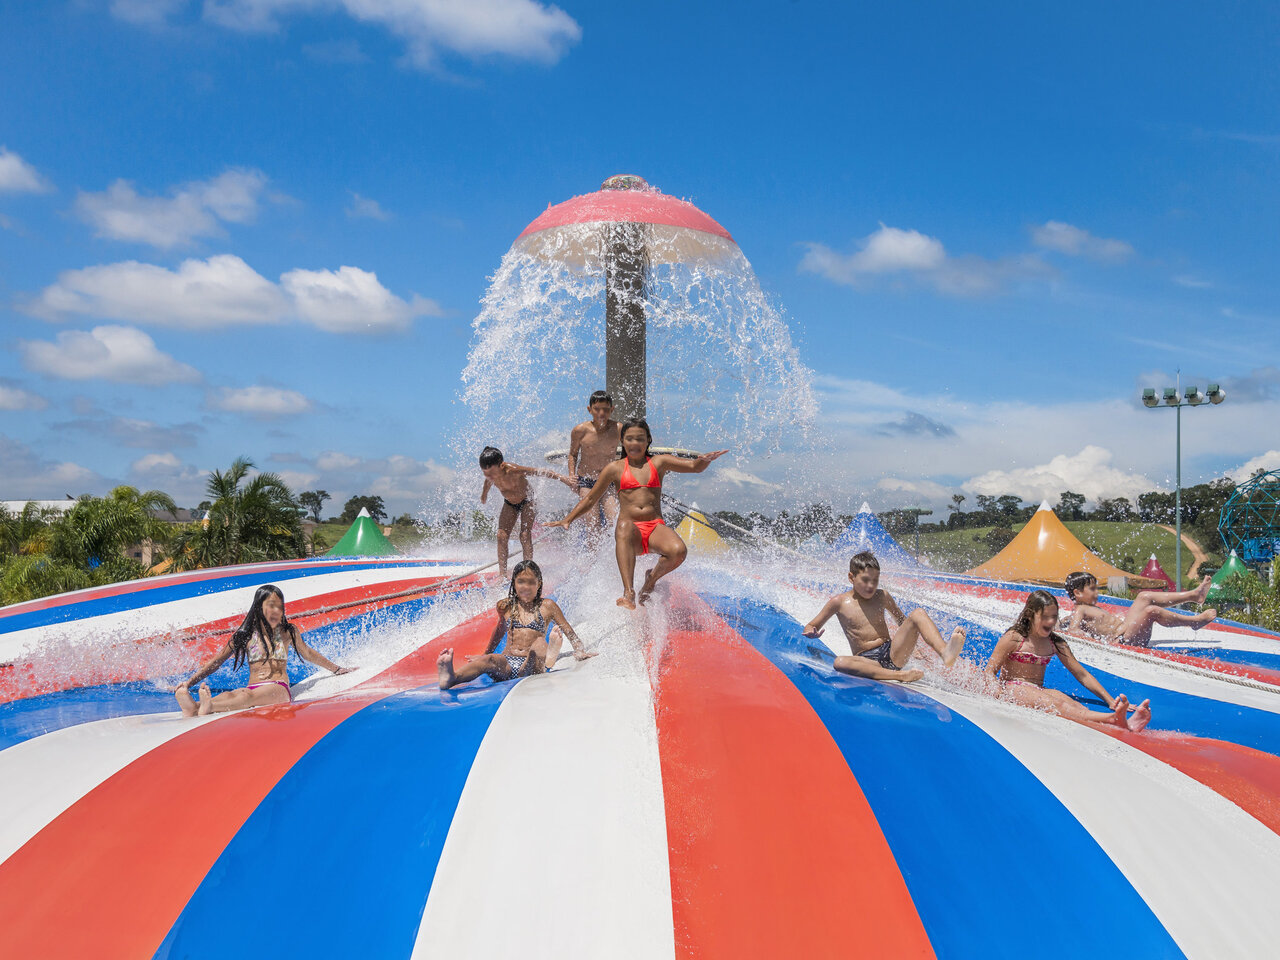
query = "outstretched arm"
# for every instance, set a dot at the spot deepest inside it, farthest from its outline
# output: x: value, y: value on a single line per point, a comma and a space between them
x: 209, y: 666
x: 543, y: 472
x: 311, y: 655
x: 814, y: 627
x: 607, y: 476
x: 580, y: 652
x: 667, y: 463
x: 1086, y: 679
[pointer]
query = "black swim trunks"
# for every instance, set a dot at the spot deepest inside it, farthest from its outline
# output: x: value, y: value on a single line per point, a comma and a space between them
x: 881, y: 655
x: 586, y: 483
x: 515, y: 506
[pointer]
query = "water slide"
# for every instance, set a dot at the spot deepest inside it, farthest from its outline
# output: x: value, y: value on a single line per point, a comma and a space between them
x: 706, y: 787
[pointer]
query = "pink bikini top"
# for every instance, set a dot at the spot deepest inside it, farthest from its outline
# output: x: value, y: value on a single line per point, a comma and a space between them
x: 628, y: 480
x: 1021, y: 656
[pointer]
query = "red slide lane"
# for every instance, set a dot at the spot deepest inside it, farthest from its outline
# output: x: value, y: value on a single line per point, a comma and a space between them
x: 107, y: 878
x: 1247, y: 777
x: 769, y: 832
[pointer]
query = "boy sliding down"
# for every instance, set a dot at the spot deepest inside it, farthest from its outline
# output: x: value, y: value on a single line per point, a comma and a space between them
x: 1134, y: 625
x: 861, y: 612
x: 512, y: 482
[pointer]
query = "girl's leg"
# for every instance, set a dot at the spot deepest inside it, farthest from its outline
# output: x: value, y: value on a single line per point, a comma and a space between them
x: 920, y: 626
x: 553, y: 647
x: 1043, y: 699
x: 671, y: 549
x: 506, y: 520
x: 187, y: 704
x: 625, y: 536
x: 526, y: 530
x: 239, y: 699
x: 866, y: 667
x: 493, y: 664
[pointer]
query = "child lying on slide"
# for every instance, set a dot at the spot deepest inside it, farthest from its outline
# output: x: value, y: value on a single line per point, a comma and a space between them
x: 1133, y: 625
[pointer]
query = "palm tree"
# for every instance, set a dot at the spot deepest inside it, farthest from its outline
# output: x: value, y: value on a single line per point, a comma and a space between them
x: 250, y: 519
x: 98, y: 530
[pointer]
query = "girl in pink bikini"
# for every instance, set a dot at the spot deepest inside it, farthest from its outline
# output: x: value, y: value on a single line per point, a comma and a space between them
x: 640, y: 528
x: 1021, y: 656
x: 263, y: 640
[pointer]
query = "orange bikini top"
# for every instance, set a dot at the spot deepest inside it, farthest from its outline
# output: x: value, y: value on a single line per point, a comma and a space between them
x: 629, y: 482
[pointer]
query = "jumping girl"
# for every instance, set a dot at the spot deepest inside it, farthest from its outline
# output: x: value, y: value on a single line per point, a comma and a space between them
x: 523, y: 615
x: 263, y: 640
x: 1028, y: 647
x: 640, y: 525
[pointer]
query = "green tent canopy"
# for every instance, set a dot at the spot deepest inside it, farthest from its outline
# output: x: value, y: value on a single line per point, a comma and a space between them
x: 1226, y: 582
x: 364, y: 539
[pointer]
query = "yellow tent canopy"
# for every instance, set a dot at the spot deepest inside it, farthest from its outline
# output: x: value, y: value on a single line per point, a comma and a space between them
x: 698, y: 536
x: 1045, y: 551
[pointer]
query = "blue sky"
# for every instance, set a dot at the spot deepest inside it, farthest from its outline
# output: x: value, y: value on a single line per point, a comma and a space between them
x: 263, y: 227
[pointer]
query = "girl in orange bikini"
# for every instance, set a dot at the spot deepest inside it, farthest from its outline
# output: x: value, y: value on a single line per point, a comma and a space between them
x: 263, y: 640
x: 1027, y: 648
x: 640, y: 528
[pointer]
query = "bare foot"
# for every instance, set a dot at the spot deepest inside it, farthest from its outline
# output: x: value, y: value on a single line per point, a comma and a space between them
x: 1206, y: 617
x: 1202, y: 592
x: 1141, y: 716
x: 1120, y: 712
x: 183, y: 694
x: 444, y: 663
x: 206, y: 701
x: 650, y: 582
x: 954, y: 646
x: 628, y: 600
x: 908, y: 676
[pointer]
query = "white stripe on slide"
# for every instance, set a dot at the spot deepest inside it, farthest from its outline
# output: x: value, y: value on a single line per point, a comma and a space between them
x: 558, y: 847
x: 45, y: 775
x: 1207, y: 869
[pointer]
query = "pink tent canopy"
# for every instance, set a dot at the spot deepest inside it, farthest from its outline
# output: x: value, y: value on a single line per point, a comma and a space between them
x: 1156, y: 572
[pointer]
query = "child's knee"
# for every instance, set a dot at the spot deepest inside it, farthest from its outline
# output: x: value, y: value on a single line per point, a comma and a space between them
x: 919, y: 617
x: 679, y: 552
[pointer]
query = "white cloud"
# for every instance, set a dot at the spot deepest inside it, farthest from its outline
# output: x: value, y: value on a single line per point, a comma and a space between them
x: 1192, y: 282
x: 13, y: 397
x: 191, y: 210
x: 523, y: 29
x: 18, y: 176
x: 919, y: 489
x: 365, y: 207
x: 1266, y: 461
x: 118, y: 354
x: 132, y: 432
x: 261, y: 402
x: 403, y: 482
x: 332, y: 460
x: 1077, y: 242
x: 24, y: 474
x: 164, y: 471
x: 297, y: 480
x: 1088, y: 472
x: 909, y: 254
x: 225, y: 291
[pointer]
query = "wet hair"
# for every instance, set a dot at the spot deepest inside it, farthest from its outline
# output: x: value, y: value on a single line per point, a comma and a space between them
x: 866, y: 560
x: 256, y: 622
x: 1078, y: 581
x: 599, y: 397
x: 636, y: 423
x: 511, y: 599
x: 490, y: 457
x: 1038, y: 601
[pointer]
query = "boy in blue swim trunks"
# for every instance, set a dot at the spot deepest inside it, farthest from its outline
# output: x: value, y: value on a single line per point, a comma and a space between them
x: 877, y: 654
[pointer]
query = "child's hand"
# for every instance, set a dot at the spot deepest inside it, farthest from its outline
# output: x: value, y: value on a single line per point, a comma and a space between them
x: 557, y: 523
x: 341, y: 670
x: 812, y: 632
x: 582, y: 653
x: 716, y: 455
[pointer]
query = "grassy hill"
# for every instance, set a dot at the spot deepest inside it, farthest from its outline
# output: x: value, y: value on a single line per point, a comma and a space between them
x: 1126, y: 545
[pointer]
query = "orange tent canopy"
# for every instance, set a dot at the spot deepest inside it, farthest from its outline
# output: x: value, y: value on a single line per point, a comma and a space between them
x: 1045, y: 551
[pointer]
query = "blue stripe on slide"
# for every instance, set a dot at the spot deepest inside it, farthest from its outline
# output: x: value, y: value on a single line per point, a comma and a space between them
x: 346, y: 844
x: 971, y: 828
x: 178, y: 591
x: 34, y: 716
x: 1247, y: 658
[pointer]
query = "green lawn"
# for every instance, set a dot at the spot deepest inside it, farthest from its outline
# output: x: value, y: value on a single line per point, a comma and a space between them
x: 1117, y: 543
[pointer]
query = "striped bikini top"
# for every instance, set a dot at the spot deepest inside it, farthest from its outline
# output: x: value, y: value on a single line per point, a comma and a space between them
x: 538, y: 623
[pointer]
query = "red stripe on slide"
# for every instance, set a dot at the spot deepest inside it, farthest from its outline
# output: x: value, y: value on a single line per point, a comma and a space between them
x: 108, y: 876
x: 1261, y: 674
x: 1247, y: 777
x: 747, y: 766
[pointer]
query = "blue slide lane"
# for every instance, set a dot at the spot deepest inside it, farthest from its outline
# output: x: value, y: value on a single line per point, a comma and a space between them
x: 1009, y: 849
x: 146, y: 597
x: 1182, y: 712
x: 34, y: 716
x: 345, y: 847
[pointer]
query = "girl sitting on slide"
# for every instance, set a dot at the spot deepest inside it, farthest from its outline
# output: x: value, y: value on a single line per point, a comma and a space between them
x: 1021, y: 656
x: 640, y: 525
x: 523, y: 615
x: 263, y: 640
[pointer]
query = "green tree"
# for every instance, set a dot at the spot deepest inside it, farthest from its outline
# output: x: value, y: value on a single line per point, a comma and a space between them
x: 26, y: 532
x: 250, y: 519
x: 1071, y: 505
x: 313, y: 500
x: 351, y: 509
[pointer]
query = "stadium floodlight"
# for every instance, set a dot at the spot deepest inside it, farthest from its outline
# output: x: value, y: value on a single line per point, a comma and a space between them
x: 1194, y: 397
x: 1149, y: 398
x: 1216, y: 393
